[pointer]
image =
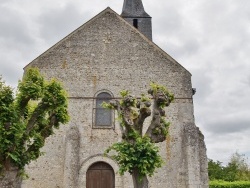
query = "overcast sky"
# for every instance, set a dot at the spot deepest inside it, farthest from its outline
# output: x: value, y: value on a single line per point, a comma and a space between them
x: 210, y: 38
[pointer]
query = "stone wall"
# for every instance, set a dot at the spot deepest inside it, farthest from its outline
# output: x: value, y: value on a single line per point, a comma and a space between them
x: 107, y: 53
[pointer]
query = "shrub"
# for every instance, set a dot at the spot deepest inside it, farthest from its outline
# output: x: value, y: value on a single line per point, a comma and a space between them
x: 226, y: 184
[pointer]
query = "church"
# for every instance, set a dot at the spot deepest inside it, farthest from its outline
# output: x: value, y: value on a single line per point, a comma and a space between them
x: 107, y: 54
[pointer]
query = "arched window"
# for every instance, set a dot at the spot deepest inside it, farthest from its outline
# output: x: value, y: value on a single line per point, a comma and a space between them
x: 103, y: 116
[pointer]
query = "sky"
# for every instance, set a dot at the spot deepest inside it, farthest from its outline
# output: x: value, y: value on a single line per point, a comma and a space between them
x: 210, y: 38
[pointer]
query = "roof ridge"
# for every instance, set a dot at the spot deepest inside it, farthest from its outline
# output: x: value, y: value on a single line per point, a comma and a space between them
x: 108, y: 9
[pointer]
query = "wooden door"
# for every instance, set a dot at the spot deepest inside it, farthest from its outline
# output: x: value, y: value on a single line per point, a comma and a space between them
x: 100, y: 175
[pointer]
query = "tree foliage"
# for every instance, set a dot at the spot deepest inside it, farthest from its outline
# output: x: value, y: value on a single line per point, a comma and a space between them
x: 241, y: 165
x: 29, y: 117
x: 142, y: 154
x: 215, y: 170
x: 137, y: 153
x: 236, y: 170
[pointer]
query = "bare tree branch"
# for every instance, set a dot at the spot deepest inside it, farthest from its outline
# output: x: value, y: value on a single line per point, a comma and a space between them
x: 144, y: 112
x: 23, y: 104
x: 154, y: 130
x: 44, y: 132
x: 33, y: 119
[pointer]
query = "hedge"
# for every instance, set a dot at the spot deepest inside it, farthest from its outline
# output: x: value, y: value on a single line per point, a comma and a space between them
x: 226, y: 184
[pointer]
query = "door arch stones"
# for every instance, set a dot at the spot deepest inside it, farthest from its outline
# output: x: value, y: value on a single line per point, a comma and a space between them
x: 87, y: 164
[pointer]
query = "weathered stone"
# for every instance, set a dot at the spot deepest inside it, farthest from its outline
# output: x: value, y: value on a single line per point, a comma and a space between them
x: 108, y: 54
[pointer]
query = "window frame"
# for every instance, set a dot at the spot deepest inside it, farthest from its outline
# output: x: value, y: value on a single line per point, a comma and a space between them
x: 94, y: 112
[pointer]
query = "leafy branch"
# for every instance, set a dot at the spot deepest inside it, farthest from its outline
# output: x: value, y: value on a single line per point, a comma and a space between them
x: 28, y: 118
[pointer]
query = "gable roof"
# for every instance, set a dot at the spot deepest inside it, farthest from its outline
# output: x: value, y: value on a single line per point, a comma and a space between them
x: 109, y: 10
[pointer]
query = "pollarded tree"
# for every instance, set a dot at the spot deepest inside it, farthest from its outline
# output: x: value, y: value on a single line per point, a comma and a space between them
x: 26, y: 120
x: 137, y: 153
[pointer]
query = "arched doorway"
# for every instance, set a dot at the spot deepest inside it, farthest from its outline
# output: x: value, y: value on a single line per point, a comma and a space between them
x: 100, y: 175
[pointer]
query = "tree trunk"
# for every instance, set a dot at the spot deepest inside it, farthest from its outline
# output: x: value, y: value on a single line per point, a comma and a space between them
x: 9, y: 178
x: 143, y: 183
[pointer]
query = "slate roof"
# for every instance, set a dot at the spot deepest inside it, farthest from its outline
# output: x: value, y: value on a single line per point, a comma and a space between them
x: 133, y: 8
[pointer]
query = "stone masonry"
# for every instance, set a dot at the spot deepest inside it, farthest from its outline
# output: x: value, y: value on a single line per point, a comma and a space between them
x: 108, y: 54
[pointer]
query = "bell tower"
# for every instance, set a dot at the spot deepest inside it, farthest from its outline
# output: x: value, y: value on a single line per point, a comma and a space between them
x: 134, y: 13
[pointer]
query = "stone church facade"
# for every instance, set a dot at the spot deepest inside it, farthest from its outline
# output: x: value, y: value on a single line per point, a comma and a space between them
x: 105, y: 55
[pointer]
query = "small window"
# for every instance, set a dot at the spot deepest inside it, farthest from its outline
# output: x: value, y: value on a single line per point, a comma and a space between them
x: 135, y: 23
x: 103, y: 116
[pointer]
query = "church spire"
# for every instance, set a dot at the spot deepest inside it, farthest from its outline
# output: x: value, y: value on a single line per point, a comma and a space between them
x: 134, y: 13
x: 133, y: 8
